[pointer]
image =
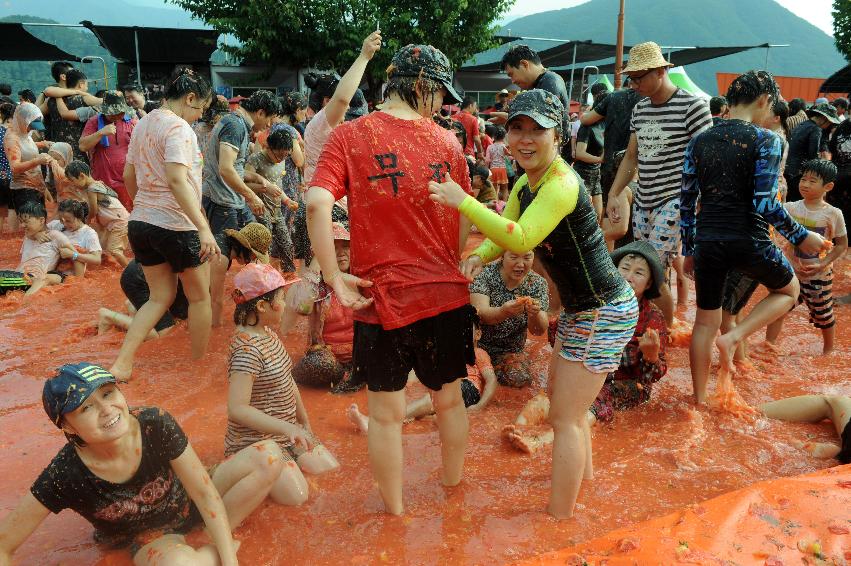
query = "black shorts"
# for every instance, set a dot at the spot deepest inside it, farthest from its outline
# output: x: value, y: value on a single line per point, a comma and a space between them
x: 760, y: 260
x: 437, y: 348
x: 17, y: 197
x: 138, y: 293
x: 738, y: 290
x: 591, y: 178
x: 5, y: 192
x: 153, y: 245
x: 469, y: 393
x: 844, y: 455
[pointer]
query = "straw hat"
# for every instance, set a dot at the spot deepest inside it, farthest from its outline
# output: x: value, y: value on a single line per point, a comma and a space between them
x: 645, y: 56
x: 255, y: 237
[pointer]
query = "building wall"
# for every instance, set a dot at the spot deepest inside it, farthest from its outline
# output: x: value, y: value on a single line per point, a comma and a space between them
x: 790, y: 87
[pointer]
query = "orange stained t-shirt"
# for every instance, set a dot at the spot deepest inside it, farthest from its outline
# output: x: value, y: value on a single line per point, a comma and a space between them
x: 403, y: 242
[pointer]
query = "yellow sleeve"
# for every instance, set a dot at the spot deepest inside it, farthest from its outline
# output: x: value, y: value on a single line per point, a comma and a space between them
x: 557, y: 197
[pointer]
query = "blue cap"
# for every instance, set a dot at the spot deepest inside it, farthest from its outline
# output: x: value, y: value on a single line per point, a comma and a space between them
x: 69, y: 388
x: 37, y: 125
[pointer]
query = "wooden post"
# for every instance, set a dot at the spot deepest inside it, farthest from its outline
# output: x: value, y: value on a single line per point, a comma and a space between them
x: 619, y: 54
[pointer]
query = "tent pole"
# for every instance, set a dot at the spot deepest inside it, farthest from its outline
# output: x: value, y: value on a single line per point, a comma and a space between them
x: 619, y: 53
x: 138, y: 66
x: 570, y: 90
x: 767, y: 50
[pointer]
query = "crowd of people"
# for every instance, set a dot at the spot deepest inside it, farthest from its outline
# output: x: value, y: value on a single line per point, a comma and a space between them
x: 357, y: 222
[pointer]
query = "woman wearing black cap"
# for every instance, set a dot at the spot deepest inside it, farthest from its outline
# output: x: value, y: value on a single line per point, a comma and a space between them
x: 405, y: 249
x: 642, y: 363
x: 134, y: 475
x: 550, y: 211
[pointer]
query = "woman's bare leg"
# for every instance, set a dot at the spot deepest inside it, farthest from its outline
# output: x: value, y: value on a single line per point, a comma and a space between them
x: 172, y: 549
x: 454, y: 428
x: 384, y: 439
x: 163, y: 287
x: 196, y: 287
x: 318, y: 460
x: 291, y: 487
x: 573, y: 390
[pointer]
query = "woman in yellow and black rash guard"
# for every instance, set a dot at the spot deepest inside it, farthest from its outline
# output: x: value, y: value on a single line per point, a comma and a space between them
x: 550, y: 211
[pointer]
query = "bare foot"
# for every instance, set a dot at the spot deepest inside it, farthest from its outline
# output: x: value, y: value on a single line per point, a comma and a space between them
x: 818, y: 449
x: 526, y: 442
x: 122, y: 373
x: 104, y: 320
x: 726, y: 349
x: 357, y: 418
x: 536, y: 410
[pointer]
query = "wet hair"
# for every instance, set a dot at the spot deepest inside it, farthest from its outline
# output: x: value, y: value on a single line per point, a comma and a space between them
x: 74, y: 77
x: 280, y: 139
x: 716, y: 103
x: 746, y: 88
x: 517, y: 53
x: 490, y: 129
x: 467, y: 102
x: 796, y: 105
x: 442, y: 121
x: 60, y: 68
x: 291, y: 103
x: 406, y: 89
x: 821, y: 168
x: 32, y: 208
x: 216, y: 108
x: 598, y: 88
x: 840, y: 103
x: 480, y: 171
x: 7, y: 109
x: 264, y: 100
x: 76, y: 168
x: 460, y: 131
x: 77, y: 208
x: 26, y: 95
x: 781, y: 110
x: 246, y: 314
x: 131, y: 87
x: 499, y: 134
x: 321, y: 87
x: 243, y: 253
x: 184, y: 81
x: 101, y: 93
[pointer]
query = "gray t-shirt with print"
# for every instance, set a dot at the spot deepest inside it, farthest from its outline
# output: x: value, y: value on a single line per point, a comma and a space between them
x: 233, y: 130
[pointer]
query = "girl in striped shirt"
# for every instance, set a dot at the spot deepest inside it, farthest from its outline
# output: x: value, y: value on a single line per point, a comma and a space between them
x: 263, y: 399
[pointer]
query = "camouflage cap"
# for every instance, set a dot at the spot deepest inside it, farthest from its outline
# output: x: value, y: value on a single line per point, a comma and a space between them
x: 428, y: 62
x: 541, y: 106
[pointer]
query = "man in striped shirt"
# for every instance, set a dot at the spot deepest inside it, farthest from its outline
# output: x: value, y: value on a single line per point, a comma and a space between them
x: 662, y: 125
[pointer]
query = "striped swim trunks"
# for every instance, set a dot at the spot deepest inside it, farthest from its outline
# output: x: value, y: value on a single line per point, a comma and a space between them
x: 817, y: 293
x: 597, y: 337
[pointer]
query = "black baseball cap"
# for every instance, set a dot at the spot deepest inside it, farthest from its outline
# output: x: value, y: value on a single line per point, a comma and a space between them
x: 541, y: 106
x: 70, y: 387
x: 428, y: 62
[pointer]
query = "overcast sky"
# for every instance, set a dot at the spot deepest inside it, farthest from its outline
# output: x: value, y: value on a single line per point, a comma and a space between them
x: 817, y: 12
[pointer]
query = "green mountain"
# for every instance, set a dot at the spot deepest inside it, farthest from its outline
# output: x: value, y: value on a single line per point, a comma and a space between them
x: 35, y: 75
x: 703, y: 23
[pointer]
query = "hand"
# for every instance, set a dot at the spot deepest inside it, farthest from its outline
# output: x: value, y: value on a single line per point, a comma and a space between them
x: 347, y: 287
x: 44, y: 159
x: 273, y: 190
x: 533, y: 307
x: 649, y: 345
x: 43, y: 238
x: 449, y: 193
x: 688, y: 266
x: 471, y: 267
x: 371, y: 45
x: 513, y: 307
x: 297, y: 435
x: 64, y: 253
x: 256, y: 205
x: 108, y: 130
x: 291, y: 204
x: 810, y: 269
x: 209, y: 247
x: 813, y: 244
x: 613, y: 209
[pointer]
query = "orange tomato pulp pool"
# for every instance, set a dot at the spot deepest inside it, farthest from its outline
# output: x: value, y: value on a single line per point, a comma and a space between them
x: 651, y: 461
